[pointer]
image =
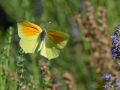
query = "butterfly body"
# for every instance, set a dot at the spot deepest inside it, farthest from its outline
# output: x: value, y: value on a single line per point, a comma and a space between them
x: 42, y: 35
x: 48, y: 42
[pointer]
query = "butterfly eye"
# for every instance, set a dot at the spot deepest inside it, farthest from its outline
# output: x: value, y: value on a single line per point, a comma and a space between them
x: 42, y: 35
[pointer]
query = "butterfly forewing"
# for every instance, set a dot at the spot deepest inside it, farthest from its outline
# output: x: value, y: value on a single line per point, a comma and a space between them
x: 27, y: 29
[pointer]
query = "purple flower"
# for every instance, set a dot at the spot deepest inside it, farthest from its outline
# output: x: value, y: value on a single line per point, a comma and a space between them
x: 114, y: 37
x: 107, y: 76
x: 106, y: 85
x: 114, y: 55
x: 117, y: 84
x: 118, y: 63
x: 115, y: 40
x: 115, y: 48
x: 115, y: 52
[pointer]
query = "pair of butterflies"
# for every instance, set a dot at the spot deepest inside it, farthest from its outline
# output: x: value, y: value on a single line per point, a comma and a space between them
x: 48, y: 42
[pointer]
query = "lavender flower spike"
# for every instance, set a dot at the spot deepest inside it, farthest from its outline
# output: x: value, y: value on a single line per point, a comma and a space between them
x: 115, y: 41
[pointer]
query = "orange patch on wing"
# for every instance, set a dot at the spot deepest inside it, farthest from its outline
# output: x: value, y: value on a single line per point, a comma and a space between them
x: 55, y: 37
x: 29, y: 29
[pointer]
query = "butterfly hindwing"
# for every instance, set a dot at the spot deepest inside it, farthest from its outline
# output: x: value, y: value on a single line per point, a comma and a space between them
x: 48, y: 49
x: 29, y: 45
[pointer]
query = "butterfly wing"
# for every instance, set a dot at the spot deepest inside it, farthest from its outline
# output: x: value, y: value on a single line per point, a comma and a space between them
x: 29, y: 33
x: 60, y: 39
x: 49, y: 52
x: 54, y: 41
x: 29, y: 45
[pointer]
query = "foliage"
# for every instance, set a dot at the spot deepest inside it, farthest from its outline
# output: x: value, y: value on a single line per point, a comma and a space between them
x: 77, y: 67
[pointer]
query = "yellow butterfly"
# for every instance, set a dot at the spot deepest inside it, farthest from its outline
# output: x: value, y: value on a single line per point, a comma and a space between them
x: 48, y: 42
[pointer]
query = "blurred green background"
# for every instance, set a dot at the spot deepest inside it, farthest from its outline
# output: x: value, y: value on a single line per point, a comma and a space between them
x: 76, y: 68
